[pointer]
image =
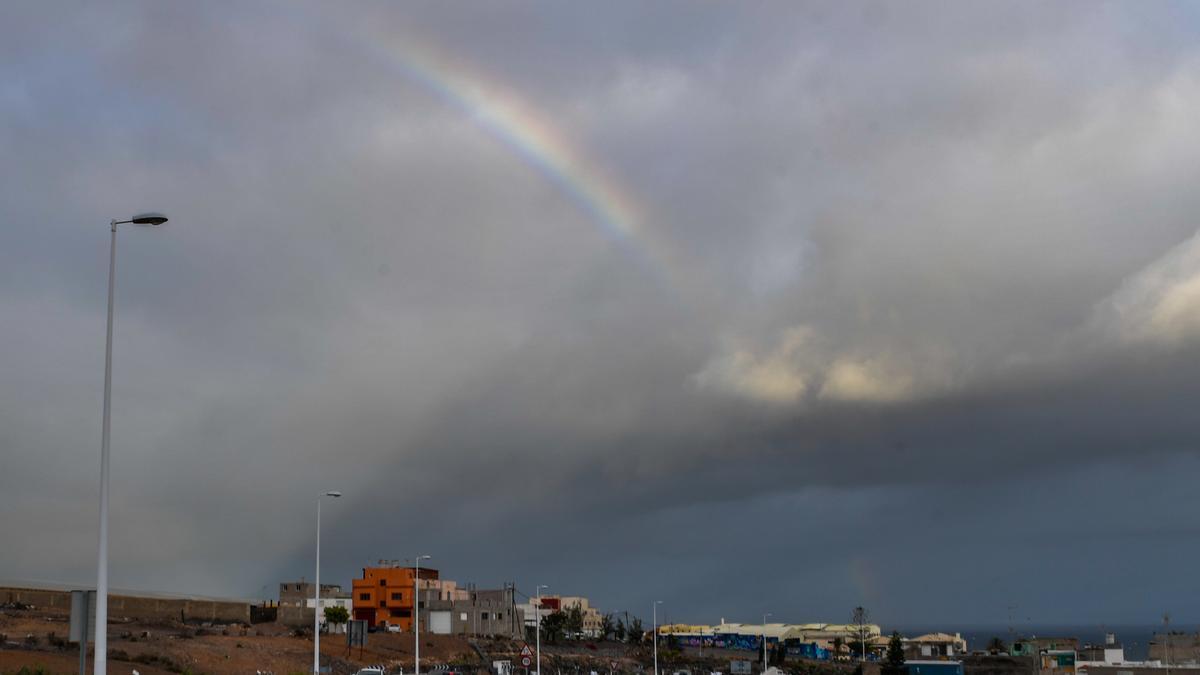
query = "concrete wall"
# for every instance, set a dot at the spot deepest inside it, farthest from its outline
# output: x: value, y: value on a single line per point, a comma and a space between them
x: 296, y: 617
x: 148, y: 609
x: 999, y: 665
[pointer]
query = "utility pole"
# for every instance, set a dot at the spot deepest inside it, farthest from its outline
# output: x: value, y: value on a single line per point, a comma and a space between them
x: 1167, y: 637
x: 1012, y: 639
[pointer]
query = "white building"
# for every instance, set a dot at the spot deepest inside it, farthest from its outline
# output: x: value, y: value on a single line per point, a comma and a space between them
x: 347, y: 603
x: 592, y: 618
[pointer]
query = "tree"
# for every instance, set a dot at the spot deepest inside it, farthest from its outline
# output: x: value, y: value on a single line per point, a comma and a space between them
x: 606, y: 626
x: 573, y: 623
x: 838, y: 643
x: 619, y: 631
x: 336, y: 615
x: 996, y: 646
x: 779, y: 655
x: 635, y: 633
x: 553, y: 625
x: 861, y: 631
x: 893, y: 664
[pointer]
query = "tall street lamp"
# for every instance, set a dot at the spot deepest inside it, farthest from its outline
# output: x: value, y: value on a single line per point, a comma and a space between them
x: 765, y: 641
x: 317, y: 592
x: 654, y: 622
x: 100, y: 664
x: 417, y: 612
x: 537, y: 613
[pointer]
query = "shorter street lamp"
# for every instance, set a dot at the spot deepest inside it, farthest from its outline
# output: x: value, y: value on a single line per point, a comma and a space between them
x: 654, y: 623
x: 765, y: 641
x: 317, y: 593
x: 417, y: 612
x: 537, y: 613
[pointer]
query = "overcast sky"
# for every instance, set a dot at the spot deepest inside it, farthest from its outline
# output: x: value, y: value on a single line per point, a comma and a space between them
x: 746, y: 307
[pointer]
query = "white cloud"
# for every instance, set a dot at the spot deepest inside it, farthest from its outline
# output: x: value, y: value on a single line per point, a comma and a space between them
x: 1159, y: 304
x: 867, y: 380
x: 799, y: 364
x: 775, y: 377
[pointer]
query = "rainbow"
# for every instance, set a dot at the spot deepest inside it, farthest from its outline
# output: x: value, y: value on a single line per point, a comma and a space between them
x: 863, y: 578
x: 535, y: 140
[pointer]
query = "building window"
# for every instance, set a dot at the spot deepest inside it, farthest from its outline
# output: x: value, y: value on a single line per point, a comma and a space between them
x: 499, y: 615
x: 483, y: 616
x: 364, y: 596
x: 421, y: 605
x: 397, y: 596
x: 382, y: 603
x: 383, y: 582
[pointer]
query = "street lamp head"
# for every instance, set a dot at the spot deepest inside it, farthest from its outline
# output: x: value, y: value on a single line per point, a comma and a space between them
x: 148, y: 219
x: 424, y: 557
x: 333, y: 493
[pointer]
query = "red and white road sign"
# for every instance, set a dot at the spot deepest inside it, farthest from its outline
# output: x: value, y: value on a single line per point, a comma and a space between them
x: 526, y: 661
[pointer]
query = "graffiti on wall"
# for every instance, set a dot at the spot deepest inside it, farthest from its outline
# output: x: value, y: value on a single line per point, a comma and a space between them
x: 803, y: 650
x: 732, y: 641
x: 808, y: 650
x: 694, y: 641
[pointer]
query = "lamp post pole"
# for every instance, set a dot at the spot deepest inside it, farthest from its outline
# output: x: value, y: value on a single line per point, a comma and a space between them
x: 317, y: 592
x: 417, y: 613
x: 654, y: 624
x: 100, y: 664
x: 765, y: 641
x: 537, y: 613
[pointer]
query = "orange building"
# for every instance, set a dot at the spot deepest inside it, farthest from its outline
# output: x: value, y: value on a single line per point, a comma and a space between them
x: 384, y: 595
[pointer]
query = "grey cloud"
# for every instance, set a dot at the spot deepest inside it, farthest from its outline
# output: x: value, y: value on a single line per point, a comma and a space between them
x: 362, y: 288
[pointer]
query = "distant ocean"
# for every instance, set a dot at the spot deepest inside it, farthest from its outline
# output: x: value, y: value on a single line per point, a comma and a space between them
x: 1134, y: 638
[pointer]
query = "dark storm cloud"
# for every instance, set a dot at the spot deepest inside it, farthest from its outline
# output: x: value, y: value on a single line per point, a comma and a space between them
x: 897, y: 275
